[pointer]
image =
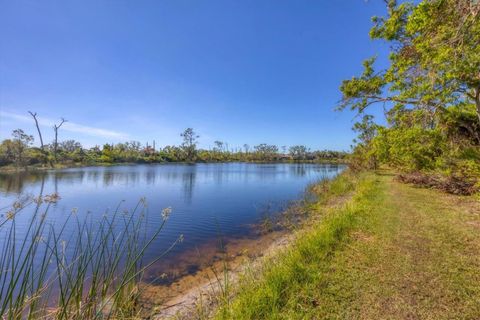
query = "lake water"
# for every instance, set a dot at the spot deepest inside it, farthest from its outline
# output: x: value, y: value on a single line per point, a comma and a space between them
x: 205, y: 198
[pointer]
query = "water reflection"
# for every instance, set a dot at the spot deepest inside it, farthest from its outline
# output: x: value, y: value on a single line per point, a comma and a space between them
x: 14, y: 183
x: 132, y: 176
x: 188, y: 179
x: 233, y: 195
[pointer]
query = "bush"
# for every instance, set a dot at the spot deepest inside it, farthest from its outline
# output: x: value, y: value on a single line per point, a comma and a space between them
x: 411, y: 149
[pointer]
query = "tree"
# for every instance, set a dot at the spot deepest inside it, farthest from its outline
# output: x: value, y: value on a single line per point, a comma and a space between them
x: 189, y: 145
x: 434, y: 59
x: 7, y: 151
x: 266, y: 152
x: 107, y: 154
x: 218, y: 150
x: 298, y: 152
x: 171, y: 153
x: 55, y: 142
x: 367, y: 130
x: 34, y: 116
x: 70, y: 146
x: 20, y: 143
x: 219, y: 146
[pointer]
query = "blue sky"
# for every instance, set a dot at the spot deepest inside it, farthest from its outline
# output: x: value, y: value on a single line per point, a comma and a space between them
x: 238, y: 71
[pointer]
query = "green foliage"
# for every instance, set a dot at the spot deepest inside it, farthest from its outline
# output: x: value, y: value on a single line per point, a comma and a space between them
x: 265, y: 152
x: 410, y: 148
x: 71, y: 152
x: 447, y: 147
x: 430, y: 92
x: 460, y: 124
x: 36, y: 156
x: 189, y: 145
x: 298, y: 152
x: 360, y: 92
x: 14, y: 151
x: 434, y: 58
x: 107, y: 154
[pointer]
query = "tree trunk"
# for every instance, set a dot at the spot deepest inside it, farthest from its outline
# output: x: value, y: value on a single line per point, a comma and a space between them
x: 477, y: 102
x: 55, y: 144
x: 34, y: 115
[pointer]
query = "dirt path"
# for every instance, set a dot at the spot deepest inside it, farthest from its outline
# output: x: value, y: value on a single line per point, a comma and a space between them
x: 415, y: 256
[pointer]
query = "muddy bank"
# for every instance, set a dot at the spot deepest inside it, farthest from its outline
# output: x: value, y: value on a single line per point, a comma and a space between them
x: 197, y: 277
x: 191, y: 283
x: 196, y: 295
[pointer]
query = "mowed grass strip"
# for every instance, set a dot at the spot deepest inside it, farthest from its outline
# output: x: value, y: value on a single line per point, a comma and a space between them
x: 391, y: 252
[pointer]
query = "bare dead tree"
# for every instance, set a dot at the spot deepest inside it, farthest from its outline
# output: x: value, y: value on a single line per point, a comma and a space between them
x: 34, y: 115
x: 55, y: 143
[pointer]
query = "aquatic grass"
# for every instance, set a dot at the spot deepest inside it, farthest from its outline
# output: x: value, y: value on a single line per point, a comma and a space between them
x: 90, y: 273
x: 314, y: 199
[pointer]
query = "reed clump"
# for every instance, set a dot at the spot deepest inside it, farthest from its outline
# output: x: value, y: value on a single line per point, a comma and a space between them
x: 87, y: 267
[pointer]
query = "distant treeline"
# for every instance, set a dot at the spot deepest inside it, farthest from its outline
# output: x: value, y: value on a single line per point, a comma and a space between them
x: 19, y: 152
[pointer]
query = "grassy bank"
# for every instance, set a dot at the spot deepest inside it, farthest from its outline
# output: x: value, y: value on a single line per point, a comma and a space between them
x: 390, y: 251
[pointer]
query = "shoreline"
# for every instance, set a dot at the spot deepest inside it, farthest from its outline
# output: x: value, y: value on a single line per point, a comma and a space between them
x: 34, y: 168
x: 202, y: 292
x: 182, y: 298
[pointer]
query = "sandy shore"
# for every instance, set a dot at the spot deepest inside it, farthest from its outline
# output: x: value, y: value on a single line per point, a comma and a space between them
x: 197, y: 292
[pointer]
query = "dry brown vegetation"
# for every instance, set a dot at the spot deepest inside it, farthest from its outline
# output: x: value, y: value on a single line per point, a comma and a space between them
x: 459, y: 185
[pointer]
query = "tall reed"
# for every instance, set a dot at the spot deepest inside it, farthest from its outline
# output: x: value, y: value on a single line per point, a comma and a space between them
x: 84, y: 268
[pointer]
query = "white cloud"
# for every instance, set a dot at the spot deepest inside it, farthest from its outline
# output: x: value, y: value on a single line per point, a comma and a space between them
x: 68, y: 126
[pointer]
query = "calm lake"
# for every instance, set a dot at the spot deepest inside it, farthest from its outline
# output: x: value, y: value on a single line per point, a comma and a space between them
x: 206, y: 199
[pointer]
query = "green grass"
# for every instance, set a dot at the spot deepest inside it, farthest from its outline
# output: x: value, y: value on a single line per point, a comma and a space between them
x: 390, y: 252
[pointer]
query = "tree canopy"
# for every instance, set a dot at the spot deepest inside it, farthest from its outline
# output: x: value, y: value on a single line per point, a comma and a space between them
x: 434, y: 59
x: 429, y: 90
